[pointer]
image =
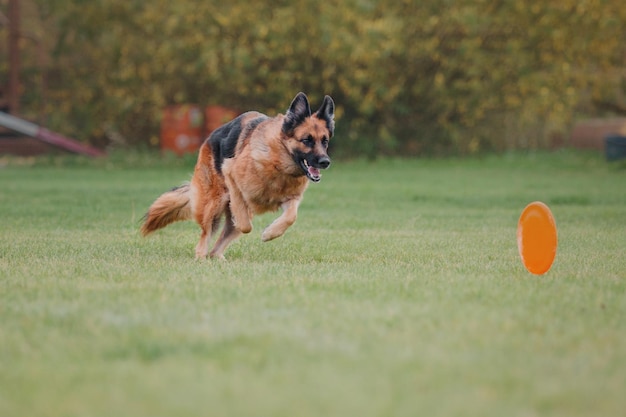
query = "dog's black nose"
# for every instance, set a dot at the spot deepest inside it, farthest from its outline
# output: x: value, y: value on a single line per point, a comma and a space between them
x: 324, y: 162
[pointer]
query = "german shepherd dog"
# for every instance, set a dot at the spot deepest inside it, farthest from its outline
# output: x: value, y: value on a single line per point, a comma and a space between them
x: 251, y: 165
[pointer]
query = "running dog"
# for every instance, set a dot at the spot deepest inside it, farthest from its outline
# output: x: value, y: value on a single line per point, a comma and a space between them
x: 251, y: 165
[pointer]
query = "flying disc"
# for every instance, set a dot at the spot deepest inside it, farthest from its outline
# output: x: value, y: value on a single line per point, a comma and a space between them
x: 537, y: 238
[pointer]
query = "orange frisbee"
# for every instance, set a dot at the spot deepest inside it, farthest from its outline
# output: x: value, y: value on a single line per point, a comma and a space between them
x: 537, y: 238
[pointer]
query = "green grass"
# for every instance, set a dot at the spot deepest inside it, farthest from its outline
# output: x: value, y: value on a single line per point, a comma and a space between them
x: 398, y: 292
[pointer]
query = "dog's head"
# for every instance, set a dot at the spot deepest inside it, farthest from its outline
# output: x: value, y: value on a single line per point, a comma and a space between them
x: 306, y: 135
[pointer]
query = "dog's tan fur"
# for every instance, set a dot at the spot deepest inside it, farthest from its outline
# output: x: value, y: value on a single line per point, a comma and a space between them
x: 250, y: 166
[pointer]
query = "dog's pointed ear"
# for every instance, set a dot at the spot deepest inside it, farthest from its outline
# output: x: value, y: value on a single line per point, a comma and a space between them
x: 327, y: 112
x: 297, y: 113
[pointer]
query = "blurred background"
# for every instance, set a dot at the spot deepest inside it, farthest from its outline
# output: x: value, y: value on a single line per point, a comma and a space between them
x: 428, y: 77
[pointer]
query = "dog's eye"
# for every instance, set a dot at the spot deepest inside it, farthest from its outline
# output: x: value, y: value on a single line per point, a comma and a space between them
x: 325, y: 141
x: 309, y: 141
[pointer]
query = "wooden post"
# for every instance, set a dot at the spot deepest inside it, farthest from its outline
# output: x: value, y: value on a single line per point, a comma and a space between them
x: 14, y: 56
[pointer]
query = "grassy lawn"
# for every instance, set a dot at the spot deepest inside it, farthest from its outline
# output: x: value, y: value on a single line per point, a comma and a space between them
x: 398, y: 292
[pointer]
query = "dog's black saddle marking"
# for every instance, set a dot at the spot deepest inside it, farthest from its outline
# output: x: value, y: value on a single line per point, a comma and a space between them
x: 224, y: 139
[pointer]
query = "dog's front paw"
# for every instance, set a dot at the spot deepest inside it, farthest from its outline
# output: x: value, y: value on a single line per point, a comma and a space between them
x: 243, y: 227
x: 269, y: 234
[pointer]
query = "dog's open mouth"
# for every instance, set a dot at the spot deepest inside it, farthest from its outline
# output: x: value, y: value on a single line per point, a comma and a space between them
x: 312, y: 173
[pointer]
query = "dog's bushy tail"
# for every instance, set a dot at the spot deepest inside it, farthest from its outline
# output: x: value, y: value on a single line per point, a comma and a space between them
x: 170, y: 207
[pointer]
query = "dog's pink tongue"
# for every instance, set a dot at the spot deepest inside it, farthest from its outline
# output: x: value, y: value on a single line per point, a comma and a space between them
x: 314, y: 171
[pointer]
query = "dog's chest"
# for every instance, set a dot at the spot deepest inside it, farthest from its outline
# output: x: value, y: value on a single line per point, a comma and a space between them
x: 271, y: 193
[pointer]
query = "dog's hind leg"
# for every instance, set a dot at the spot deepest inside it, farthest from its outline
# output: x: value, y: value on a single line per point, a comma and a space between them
x: 229, y: 234
x: 208, y: 229
x: 202, y: 248
x: 209, y: 224
x: 282, y: 223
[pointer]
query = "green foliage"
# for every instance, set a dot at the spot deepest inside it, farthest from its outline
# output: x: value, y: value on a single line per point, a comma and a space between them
x: 408, y: 76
